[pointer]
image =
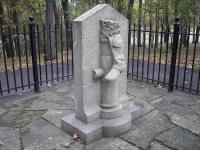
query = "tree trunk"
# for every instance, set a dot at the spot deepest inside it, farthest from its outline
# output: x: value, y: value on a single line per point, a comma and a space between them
x: 65, y: 6
x: 166, y: 20
x: 97, y: 2
x: 50, y: 23
x: 16, y: 39
x: 194, y: 21
x: 150, y: 13
x: 130, y: 12
x: 197, y: 34
x: 120, y: 6
x: 139, y: 22
x: 15, y: 17
x: 198, y: 27
x: 57, y: 26
x: 7, y: 45
x: 129, y: 16
x: 176, y: 8
x: 108, y: 2
x: 193, y: 36
x: 1, y: 12
x: 167, y: 26
x: 185, y: 37
x: 157, y: 25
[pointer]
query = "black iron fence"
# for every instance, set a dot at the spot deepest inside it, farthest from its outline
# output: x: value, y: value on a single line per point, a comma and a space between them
x: 33, y: 56
x: 166, y: 56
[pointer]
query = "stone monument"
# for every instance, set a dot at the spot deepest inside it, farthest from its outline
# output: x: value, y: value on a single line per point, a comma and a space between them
x: 103, y: 108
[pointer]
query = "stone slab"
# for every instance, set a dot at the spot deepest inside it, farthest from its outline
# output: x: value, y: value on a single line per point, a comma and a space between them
x: 2, y: 111
x: 50, y: 100
x: 180, y: 139
x: 55, y: 116
x: 110, y: 144
x: 42, y: 101
x: 146, y: 128
x: 144, y: 91
x: 19, y: 102
x: 144, y: 107
x: 9, y: 139
x: 188, y: 122
x: 19, y: 118
x: 158, y: 146
x: 66, y: 90
x: 182, y: 109
x: 178, y: 102
x: 41, y: 135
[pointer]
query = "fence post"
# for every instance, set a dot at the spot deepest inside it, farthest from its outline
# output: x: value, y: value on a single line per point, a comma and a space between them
x: 174, y: 53
x: 34, y: 54
x: 129, y: 44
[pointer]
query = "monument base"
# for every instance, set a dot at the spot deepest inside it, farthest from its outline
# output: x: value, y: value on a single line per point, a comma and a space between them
x: 99, y: 128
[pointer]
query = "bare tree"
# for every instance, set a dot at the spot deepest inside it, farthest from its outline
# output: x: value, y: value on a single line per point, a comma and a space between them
x: 120, y: 4
x: 139, y: 22
x: 57, y: 23
x: 176, y: 8
x: 108, y: 2
x: 65, y: 6
x: 7, y: 44
x: 97, y: 2
x: 166, y: 21
x: 50, y: 23
x: 130, y: 12
x: 129, y: 16
x: 198, y: 27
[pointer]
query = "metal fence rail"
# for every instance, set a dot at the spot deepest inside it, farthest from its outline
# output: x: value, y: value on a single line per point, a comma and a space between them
x: 161, y: 51
x: 23, y: 57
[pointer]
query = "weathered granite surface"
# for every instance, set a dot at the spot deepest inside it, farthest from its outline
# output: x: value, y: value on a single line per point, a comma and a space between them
x: 158, y: 146
x: 145, y: 91
x: 146, y: 107
x: 2, y: 111
x: 88, y: 48
x: 41, y: 135
x: 147, y: 128
x: 180, y: 139
x: 100, y: 36
x: 111, y: 144
x: 182, y: 109
x: 9, y: 139
x: 53, y: 116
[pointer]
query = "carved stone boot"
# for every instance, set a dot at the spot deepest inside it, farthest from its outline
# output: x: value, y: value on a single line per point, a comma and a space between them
x: 112, y: 74
x: 116, y: 44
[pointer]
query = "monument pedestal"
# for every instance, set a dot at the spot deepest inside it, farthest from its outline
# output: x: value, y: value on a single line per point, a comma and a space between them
x: 89, y: 132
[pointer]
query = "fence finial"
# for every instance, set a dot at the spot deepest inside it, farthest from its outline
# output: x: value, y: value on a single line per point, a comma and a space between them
x: 31, y: 19
x: 177, y: 20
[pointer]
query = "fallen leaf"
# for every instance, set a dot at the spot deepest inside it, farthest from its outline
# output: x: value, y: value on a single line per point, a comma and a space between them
x: 75, y: 139
x: 49, y: 85
x: 186, y: 82
x: 1, y: 143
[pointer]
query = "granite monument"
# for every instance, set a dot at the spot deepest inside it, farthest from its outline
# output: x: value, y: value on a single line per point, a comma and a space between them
x: 103, y: 107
